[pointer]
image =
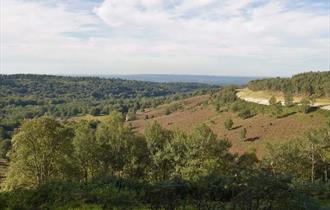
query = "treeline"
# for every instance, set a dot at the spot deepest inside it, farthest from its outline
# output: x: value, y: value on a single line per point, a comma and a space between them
x: 65, y: 165
x: 59, y: 88
x: 310, y: 83
x: 26, y: 96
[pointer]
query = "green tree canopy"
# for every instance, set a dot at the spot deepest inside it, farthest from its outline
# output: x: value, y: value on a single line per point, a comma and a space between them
x: 40, y: 151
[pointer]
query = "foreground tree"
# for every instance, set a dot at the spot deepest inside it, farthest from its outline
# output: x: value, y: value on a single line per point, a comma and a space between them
x: 205, y: 154
x: 85, y: 150
x: 40, y: 151
x: 113, y: 138
x: 158, y: 141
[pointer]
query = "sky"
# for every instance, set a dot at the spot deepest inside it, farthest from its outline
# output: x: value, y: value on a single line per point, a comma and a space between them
x: 202, y: 37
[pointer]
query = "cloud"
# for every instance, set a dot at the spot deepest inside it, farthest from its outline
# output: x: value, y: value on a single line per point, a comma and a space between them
x: 158, y: 36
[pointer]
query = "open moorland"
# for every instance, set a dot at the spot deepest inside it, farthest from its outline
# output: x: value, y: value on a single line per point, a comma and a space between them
x: 262, y: 129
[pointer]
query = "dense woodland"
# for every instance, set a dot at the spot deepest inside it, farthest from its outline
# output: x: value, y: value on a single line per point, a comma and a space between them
x: 63, y: 165
x: 55, y: 163
x: 311, y: 84
x: 29, y: 96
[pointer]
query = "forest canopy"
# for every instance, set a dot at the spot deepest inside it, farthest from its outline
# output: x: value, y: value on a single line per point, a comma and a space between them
x: 309, y: 83
x: 26, y: 96
x: 59, y: 165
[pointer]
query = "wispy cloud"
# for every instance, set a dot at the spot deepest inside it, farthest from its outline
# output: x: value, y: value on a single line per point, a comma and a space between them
x: 232, y: 37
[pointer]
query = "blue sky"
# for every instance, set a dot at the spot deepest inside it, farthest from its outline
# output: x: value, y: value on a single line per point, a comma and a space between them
x: 213, y: 37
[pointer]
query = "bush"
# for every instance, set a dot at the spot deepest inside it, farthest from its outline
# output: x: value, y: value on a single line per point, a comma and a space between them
x: 228, y: 123
x: 245, y: 113
x: 242, y: 133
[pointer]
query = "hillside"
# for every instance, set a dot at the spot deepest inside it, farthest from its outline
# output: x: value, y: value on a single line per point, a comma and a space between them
x: 202, y: 150
x: 26, y: 96
x: 261, y: 128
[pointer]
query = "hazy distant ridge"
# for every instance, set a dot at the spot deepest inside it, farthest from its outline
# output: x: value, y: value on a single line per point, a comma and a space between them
x: 216, y: 80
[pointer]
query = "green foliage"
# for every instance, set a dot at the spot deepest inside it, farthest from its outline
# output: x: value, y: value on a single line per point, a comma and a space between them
x: 107, y: 166
x: 307, y: 159
x: 58, y: 164
x: 95, y: 111
x: 29, y: 96
x: 288, y: 99
x: 305, y: 105
x: 310, y: 83
x: 225, y: 96
x: 86, y: 150
x: 245, y: 113
x: 158, y: 141
x: 131, y: 115
x: 39, y: 153
x: 5, y: 146
x: 205, y: 153
x: 243, y: 133
x: 228, y: 123
x: 114, y: 139
x: 272, y: 101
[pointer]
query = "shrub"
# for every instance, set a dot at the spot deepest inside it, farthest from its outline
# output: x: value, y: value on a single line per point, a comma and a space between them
x: 242, y: 133
x: 228, y: 123
x: 245, y: 113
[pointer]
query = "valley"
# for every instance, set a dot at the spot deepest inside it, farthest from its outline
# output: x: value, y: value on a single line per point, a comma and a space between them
x: 107, y: 143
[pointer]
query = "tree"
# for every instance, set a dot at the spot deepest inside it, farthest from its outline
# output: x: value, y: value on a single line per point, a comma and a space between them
x: 130, y: 115
x: 137, y: 158
x: 5, y: 146
x: 228, y: 123
x: 85, y: 150
x: 317, y: 148
x: 288, y: 99
x: 40, y: 151
x: 245, y: 113
x: 242, y: 133
x: 307, y: 158
x: 95, y: 111
x: 272, y: 101
x: 205, y: 154
x: 158, y: 141
x: 113, y: 138
x: 304, y: 105
x: 275, y: 106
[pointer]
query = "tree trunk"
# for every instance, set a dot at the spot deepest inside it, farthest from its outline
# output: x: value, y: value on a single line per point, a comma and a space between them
x: 313, y: 163
x: 326, y: 174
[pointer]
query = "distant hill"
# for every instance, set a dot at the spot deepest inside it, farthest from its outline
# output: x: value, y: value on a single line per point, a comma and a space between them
x: 207, y: 79
x: 28, y: 96
x: 81, y: 87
